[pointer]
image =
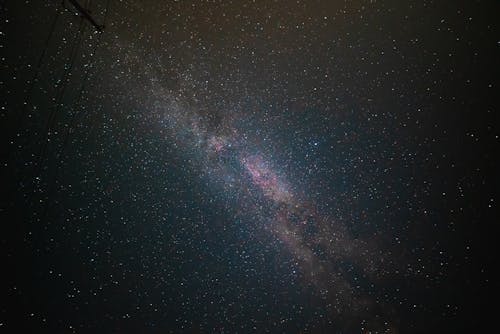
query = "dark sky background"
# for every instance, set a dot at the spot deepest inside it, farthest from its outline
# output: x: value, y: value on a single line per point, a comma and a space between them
x: 248, y: 166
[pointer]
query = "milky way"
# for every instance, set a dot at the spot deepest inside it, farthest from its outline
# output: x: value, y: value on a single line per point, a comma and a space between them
x: 267, y: 199
x: 248, y: 166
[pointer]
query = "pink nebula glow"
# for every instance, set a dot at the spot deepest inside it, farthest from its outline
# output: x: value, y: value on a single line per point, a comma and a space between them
x: 266, y: 179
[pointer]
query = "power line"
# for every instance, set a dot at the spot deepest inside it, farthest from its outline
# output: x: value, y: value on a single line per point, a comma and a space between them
x: 41, y: 58
x: 73, y: 54
x: 85, y: 14
x: 85, y: 78
x: 89, y: 67
x: 59, y: 97
x: 75, y: 115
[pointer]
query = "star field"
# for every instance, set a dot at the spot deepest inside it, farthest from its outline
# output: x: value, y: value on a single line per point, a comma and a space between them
x: 248, y: 166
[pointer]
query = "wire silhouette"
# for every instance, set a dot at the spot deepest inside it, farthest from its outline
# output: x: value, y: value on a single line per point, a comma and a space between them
x: 89, y: 67
x: 37, y: 70
x: 38, y: 66
x: 59, y: 97
x: 59, y: 156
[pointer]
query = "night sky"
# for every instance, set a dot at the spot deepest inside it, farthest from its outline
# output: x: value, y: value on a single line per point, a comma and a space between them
x: 249, y: 166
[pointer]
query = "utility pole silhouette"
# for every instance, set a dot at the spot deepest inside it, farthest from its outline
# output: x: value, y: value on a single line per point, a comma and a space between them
x: 86, y: 15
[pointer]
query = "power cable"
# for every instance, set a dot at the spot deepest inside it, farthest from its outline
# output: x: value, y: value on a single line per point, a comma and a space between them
x: 59, y: 97
x: 41, y: 58
x: 75, y: 115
